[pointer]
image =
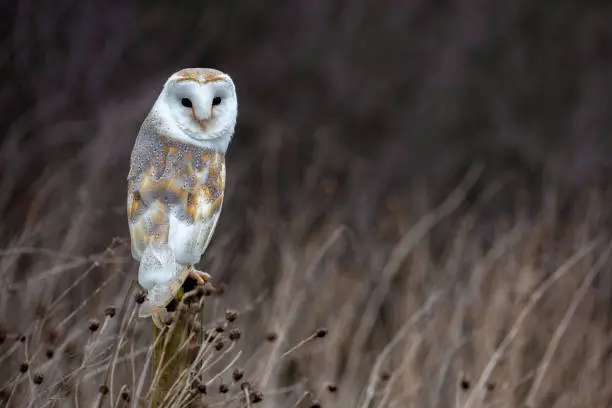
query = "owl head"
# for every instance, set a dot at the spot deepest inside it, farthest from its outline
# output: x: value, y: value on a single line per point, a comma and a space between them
x: 197, y: 106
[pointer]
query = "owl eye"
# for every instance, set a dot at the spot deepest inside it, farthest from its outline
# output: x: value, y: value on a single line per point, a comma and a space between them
x: 216, y: 100
x: 186, y: 102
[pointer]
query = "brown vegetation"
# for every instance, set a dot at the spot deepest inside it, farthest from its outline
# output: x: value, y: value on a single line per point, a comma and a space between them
x: 415, y: 215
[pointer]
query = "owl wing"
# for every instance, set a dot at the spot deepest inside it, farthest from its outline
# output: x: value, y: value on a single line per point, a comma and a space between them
x: 192, y: 225
x: 148, y: 219
x: 155, y: 187
x: 175, y: 195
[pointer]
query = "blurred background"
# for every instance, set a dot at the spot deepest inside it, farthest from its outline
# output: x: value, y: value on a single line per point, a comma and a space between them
x: 419, y: 89
x: 356, y: 116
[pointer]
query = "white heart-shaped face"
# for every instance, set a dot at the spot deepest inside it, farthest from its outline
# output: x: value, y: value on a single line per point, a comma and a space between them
x: 198, y: 106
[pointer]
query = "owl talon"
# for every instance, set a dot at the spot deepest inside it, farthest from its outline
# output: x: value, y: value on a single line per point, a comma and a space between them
x: 199, y: 276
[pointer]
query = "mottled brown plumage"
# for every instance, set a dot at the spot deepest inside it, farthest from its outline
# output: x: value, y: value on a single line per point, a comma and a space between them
x: 171, y: 177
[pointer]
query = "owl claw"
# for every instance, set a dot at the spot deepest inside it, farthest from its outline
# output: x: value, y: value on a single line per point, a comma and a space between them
x: 198, y: 276
x: 159, y: 314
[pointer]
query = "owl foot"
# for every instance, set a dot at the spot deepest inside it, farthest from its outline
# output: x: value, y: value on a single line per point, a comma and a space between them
x: 198, y: 276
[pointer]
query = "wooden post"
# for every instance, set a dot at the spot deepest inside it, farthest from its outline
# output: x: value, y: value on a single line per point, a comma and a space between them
x: 171, y: 348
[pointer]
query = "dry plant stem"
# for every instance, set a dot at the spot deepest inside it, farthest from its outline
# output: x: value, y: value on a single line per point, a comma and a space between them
x: 298, y: 345
x: 552, y: 347
x: 119, y: 343
x: 533, y: 300
x: 295, y: 304
x: 29, y: 376
x: 95, y: 369
x: 384, y: 401
x: 77, y: 383
x: 120, y: 333
x: 86, y: 301
x: 53, y: 306
x: 179, y: 396
x: 187, y: 375
x: 399, y: 254
x: 247, y: 397
x: 227, y: 367
x: 302, y: 398
x: 90, y: 347
x: 118, y: 399
x: 401, y: 333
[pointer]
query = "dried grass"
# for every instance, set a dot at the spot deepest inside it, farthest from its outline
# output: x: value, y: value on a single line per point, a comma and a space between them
x: 362, y: 259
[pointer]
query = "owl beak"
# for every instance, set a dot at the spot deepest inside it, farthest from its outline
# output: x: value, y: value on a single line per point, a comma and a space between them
x: 203, y: 123
x: 202, y: 118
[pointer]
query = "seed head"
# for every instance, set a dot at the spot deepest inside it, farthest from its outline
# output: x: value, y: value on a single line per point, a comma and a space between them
x: 231, y: 315
x: 210, y: 336
x: 140, y: 297
x: 125, y: 394
x: 38, y: 378
x: 23, y: 367
x: 271, y: 337
x: 223, y: 389
x: 256, y: 396
x: 332, y: 388
x: 94, y: 325
x: 321, y: 333
x: 235, y: 334
x: 103, y: 389
x: 110, y: 312
x: 237, y: 374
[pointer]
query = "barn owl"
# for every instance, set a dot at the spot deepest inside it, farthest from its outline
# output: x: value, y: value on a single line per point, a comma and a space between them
x: 176, y: 181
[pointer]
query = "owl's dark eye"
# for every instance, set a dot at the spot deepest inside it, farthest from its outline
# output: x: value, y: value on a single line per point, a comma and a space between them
x: 216, y: 100
x: 186, y: 102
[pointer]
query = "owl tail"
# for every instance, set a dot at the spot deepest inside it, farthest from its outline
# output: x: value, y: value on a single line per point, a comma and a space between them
x: 159, y: 274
